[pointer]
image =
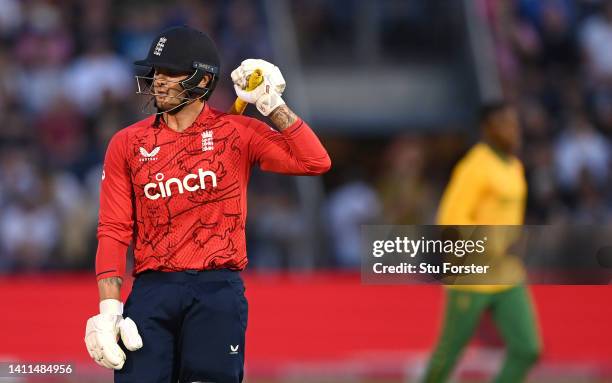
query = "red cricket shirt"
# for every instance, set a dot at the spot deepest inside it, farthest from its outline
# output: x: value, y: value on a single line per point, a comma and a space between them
x: 181, y: 197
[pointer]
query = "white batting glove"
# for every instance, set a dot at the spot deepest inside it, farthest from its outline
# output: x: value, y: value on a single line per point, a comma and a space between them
x: 240, y: 75
x: 265, y: 98
x: 102, y: 333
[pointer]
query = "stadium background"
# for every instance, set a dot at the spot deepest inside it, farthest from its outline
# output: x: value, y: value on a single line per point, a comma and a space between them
x: 392, y: 87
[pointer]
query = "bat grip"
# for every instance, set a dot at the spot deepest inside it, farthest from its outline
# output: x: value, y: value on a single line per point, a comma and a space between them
x: 253, y: 82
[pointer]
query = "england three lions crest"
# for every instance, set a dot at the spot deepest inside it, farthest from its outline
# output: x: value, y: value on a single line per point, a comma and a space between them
x: 207, y: 141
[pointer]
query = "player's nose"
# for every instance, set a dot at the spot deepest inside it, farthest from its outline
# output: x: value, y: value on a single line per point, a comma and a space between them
x: 159, y: 82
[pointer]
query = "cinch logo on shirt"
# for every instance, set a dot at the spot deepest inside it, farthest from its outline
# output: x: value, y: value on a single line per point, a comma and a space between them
x: 191, y: 183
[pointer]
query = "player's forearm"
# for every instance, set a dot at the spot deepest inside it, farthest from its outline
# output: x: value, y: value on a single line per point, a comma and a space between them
x: 283, y: 117
x: 110, y: 288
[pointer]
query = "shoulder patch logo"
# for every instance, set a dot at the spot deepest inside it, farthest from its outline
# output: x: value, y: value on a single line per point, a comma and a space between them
x: 149, y: 156
x: 160, y: 46
x: 207, y: 141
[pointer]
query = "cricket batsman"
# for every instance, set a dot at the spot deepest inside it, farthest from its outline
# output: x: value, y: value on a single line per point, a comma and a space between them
x: 488, y: 187
x: 174, y: 186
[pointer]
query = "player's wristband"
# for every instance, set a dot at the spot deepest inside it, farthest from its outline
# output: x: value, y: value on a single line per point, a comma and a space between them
x: 111, y: 307
x: 268, y: 102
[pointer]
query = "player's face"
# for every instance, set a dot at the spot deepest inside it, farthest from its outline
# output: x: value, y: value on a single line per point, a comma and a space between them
x: 167, y: 88
x: 505, y: 129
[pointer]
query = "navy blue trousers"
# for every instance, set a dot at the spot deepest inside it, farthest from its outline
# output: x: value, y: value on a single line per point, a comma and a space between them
x: 192, y: 326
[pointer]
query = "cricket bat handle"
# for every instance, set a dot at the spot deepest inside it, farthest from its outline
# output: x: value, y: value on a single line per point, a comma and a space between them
x: 253, y: 82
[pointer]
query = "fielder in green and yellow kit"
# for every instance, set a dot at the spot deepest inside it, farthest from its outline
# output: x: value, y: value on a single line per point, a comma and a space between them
x: 488, y: 187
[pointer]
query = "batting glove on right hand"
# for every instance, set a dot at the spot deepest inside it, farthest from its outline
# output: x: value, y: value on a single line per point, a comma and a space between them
x: 267, y: 96
x: 102, y: 333
x: 241, y: 74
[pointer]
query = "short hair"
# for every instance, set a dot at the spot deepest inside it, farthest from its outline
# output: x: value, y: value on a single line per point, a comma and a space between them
x: 488, y: 109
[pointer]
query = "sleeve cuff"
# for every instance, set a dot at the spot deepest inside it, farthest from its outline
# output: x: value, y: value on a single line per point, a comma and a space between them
x: 110, y: 258
x: 294, y: 128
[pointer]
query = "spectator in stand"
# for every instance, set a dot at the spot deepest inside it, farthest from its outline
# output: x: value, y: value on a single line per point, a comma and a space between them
x: 97, y: 74
x: 581, y: 148
x: 595, y: 38
x: 407, y: 195
x: 28, y: 221
x: 353, y: 204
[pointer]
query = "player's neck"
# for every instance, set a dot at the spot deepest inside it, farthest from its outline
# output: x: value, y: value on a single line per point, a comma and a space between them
x: 503, y: 153
x: 185, y: 117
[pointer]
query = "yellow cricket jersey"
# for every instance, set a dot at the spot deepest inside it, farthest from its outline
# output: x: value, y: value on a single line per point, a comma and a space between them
x: 486, y: 189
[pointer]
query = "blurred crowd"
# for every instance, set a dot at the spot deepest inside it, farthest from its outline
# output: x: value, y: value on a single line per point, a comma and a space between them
x: 66, y: 86
x: 556, y: 65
